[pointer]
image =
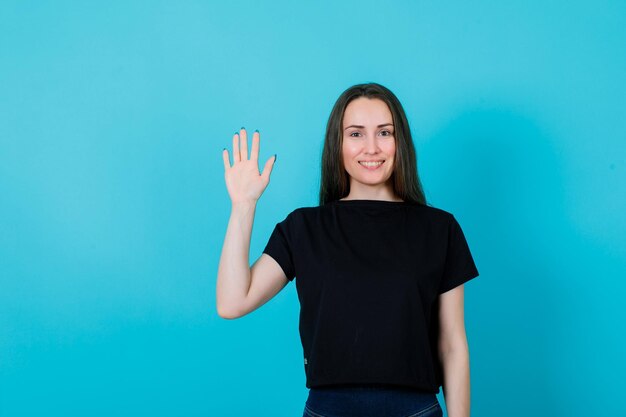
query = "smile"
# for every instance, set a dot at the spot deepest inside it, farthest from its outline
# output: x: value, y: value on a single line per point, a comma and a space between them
x: 371, y: 165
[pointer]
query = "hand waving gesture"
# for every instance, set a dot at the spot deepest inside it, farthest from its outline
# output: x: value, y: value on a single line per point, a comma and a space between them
x: 243, y: 180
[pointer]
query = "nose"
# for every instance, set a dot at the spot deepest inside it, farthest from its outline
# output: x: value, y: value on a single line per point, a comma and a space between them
x: 371, y: 145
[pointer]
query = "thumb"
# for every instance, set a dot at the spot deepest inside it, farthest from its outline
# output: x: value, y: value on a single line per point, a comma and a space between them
x: 267, y: 169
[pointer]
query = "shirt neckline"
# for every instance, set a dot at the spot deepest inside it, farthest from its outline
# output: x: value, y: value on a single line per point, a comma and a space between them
x: 369, y: 201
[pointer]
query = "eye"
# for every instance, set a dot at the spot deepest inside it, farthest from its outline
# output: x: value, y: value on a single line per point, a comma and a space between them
x: 354, y: 133
x: 387, y: 131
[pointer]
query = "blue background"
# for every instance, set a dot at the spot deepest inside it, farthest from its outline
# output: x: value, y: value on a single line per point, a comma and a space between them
x: 113, y: 116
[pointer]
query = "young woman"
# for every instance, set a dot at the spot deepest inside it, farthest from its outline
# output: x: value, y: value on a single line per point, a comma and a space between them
x: 380, y: 272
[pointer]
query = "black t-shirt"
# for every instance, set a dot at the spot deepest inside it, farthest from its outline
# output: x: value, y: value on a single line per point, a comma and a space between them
x: 369, y: 273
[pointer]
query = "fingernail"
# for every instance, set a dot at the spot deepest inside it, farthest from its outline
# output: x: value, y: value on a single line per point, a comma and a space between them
x: 223, y: 149
x: 236, y: 133
x: 243, y: 128
x: 257, y: 130
x: 274, y: 157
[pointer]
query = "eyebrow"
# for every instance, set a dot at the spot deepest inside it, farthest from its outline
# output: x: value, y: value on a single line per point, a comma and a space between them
x: 363, y: 127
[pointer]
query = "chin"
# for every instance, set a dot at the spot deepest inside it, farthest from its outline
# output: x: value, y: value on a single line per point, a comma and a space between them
x: 371, y: 181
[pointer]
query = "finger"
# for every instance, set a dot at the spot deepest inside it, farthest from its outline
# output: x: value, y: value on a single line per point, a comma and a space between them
x: 254, y: 155
x: 267, y: 169
x: 243, y: 145
x: 226, y: 160
x: 236, y: 157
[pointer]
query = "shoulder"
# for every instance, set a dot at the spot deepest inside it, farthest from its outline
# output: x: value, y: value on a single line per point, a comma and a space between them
x: 298, y: 214
x: 306, y: 211
x: 433, y: 213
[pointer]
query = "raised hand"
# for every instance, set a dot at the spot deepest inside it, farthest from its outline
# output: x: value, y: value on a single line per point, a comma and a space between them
x: 243, y: 180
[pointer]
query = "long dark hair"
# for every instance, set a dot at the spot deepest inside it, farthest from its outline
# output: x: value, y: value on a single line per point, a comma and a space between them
x: 335, y: 181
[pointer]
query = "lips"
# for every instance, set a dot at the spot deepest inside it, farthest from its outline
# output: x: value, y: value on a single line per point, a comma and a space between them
x: 371, y: 165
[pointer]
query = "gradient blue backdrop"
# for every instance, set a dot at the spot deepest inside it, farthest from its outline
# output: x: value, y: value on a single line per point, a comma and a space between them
x: 113, y: 116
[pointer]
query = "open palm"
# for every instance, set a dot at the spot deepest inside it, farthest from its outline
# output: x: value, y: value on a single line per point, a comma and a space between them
x: 243, y: 180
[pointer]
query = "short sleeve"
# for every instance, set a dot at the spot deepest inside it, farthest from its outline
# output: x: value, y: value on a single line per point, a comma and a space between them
x: 279, y: 246
x: 459, y: 264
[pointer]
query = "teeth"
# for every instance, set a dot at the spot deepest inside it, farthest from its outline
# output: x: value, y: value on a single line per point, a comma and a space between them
x: 371, y: 164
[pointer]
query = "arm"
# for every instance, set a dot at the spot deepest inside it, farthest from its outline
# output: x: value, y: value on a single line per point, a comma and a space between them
x: 241, y: 290
x: 233, y: 276
x: 454, y: 353
x: 245, y: 185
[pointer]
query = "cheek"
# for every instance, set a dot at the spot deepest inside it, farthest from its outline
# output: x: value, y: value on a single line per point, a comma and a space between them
x: 391, y: 146
x: 390, y: 149
x: 349, y: 151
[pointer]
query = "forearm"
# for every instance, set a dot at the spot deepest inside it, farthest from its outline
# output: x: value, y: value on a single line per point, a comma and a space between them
x: 456, y: 382
x: 233, y: 276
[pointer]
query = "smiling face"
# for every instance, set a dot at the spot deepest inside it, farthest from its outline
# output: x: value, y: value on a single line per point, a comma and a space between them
x: 368, y: 147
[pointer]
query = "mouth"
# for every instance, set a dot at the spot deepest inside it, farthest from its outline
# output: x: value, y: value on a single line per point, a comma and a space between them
x: 371, y: 165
